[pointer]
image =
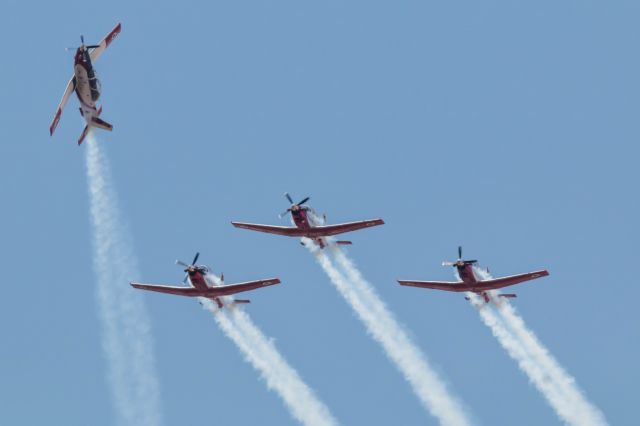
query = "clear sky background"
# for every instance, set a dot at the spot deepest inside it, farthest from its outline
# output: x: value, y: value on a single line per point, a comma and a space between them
x: 507, y: 127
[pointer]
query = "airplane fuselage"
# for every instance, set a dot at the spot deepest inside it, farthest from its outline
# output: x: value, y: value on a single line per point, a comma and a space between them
x: 197, y: 280
x: 302, y: 220
x: 87, y: 85
x: 468, y: 277
x: 466, y: 274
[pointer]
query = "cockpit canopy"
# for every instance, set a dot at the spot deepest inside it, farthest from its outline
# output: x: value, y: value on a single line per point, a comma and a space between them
x: 96, y: 87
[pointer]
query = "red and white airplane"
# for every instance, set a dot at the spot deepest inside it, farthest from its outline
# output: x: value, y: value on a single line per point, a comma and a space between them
x: 309, y: 225
x: 200, y: 288
x: 470, y: 281
x: 86, y: 85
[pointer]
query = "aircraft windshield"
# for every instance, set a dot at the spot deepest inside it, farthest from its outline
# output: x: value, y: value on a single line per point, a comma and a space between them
x: 95, y: 88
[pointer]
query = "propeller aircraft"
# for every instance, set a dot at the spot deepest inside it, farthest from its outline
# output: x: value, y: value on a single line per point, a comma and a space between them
x: 195, y: 275
x: 86, y: 85
x: 309, y: 225
x: 471, y: 282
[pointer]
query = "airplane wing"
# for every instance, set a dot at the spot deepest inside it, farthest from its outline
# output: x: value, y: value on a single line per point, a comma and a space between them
x: 328, y: 230
x: 226, y: 290
x: 179, y: 291
x: 510, y: 280
x: 95, y: 53
x: 223, y: 290
x: 316, y: 231
x: 65, y: 97
x: 437, y: 285
x: 477, y: 286
x: 288, y: 231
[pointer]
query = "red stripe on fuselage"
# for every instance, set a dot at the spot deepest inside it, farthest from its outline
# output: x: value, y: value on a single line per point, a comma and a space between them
x: 300, y: 219
x: 466, y: 274
x: 198, y: 281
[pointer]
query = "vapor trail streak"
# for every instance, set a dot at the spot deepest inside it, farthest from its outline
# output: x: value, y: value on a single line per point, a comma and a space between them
x: 575, y: 408
x: 126, y: 335
x: 383, y: 327
x: 262, y: 354
x: 557, y: 386
x: 514, y: 348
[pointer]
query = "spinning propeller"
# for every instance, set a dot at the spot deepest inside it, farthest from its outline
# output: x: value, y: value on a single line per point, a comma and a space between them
x: 459, y: 262
x: 189, y: 268
x: 294, y: 206
x: 93, y: 46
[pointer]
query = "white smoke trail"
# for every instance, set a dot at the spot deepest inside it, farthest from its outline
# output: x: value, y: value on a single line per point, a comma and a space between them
x: 557, y: 386
x: 126, y: 336
x: 263, y: 355
x: 514, y: 348
x: 381, y: 324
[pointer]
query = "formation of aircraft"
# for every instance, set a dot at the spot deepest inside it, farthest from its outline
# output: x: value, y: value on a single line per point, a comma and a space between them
x: 86, y: 85
x: 195, y: 275
x: 470, y: 282
x: 309, y: 225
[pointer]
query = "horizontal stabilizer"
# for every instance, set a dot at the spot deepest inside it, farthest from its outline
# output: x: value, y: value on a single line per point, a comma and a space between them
x: 344, y: 243
x: 83, y: 135
x: 241, y: 301
x: 509, y: 295
x: 98, y: 122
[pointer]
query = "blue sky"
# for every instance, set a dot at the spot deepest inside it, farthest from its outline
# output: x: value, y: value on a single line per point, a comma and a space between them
x: 507, y: 127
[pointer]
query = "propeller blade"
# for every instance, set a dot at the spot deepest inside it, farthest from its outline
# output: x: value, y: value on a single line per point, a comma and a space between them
x: 93, y: 46
x: 195, y: 259
x: 283, y: 214
x: 181, y: 263
x: 459, y: 252
x: 184, y: 281
x: 448, y: 263
x: 286, y: 194
x: 82, y: 38
x: 304, y: 201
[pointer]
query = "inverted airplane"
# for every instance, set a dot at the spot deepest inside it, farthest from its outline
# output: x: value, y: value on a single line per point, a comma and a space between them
x: 309, y: 225
x: 470, y: 282
x: 199, y: 287
x: 86, y: 85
